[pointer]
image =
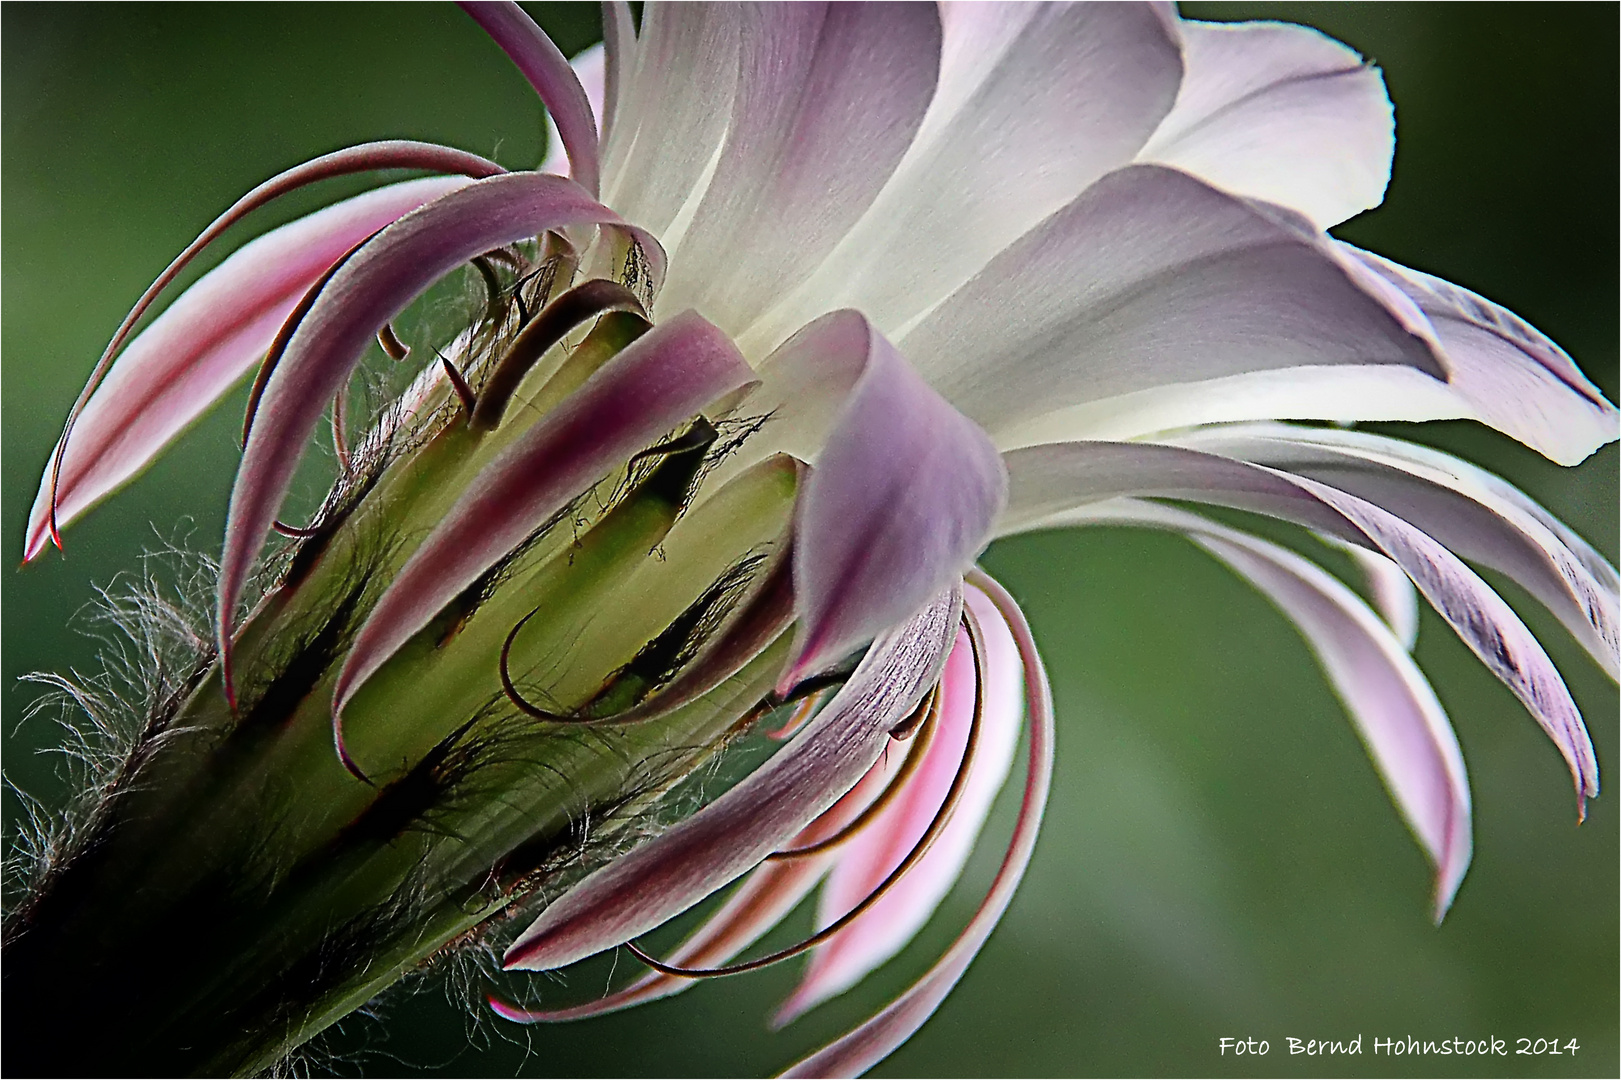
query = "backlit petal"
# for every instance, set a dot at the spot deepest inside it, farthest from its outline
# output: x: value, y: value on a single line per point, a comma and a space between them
x: 1149, y: 279
x: 1035, y: 103
x: 828, y: 99
x: 1281, y: 113
x: 1049, y: 482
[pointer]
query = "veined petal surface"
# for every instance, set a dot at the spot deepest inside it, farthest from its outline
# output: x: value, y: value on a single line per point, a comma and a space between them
x: 1481, y: 517
x: 1281, y: 113
x: 829, y: 97
x: 1050, y: 484
x: 1035, y: 102
x: 900, y: 501
x: 1149, y: 279
x: 1509, y: 374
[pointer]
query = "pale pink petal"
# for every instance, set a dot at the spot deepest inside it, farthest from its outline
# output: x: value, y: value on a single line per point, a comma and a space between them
x: 900, y: 501
x: 1509, y: 375
x: 181, y: 364
x: 672, y: 111
x: 658, y: 382
x: 884, y: 929
x: 861, y: 1049
x: 371, y: 288
x: 1149, y: 279
x: 1281, y: 113
x: 590, y: 67
x: 538, y: 58
x: 668, y: 874
x: 1395, y: 711
x: 829, y: 97
x: 1036, y: 101
x: 766, y: 896
x: 1049, y: 482
x: 1476, y: 515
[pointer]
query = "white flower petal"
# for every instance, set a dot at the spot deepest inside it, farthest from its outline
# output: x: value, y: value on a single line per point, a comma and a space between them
x: 1281, y: 113
x: 828, y: 99
x: 1035, y: 103
x: 1149, y: 279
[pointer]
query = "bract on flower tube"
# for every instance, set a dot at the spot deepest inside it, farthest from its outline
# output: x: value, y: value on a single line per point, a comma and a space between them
x: 1103, y: 325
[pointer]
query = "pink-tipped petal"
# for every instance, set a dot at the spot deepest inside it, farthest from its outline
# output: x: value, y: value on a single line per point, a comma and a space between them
x: 901, y: 500
x: 374, y: 286
x: 1508, y: 373
x: 764, y: 899
x: 1053, y: 484
x: 668, y: 874
x: 1160, y: 279
x: 591, y: 68
x: 548, y: 71
x: 193, y: 353
x: 861, y: 1049
x: 658, y: 382
x: 885, y: 928
x: 1282, y: 113
x: 829, y: 97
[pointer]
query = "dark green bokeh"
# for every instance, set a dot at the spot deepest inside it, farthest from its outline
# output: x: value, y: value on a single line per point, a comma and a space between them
x: 1220, y: 858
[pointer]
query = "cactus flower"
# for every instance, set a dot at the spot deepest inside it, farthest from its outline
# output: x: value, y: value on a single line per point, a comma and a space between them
x: 809, y: 303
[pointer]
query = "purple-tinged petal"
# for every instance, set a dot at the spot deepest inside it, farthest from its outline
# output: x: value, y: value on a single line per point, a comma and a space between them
x: 673, y: 111
x: 1406, y: 731
x: 1477, y: 515
x: 829, y: 97
x: 858, y: 1051
x: 590, y: 67
x: 659, y: 381
x: 1281, y: 113
x: 1052, y: 484
x: 764, y: 899
x: 901, y: 499
x: 1509, y: 375
x: 374, y: 286
x: 884, y: 929
x: 548, y: 71
x: 1150, y: 279
x: 1035, y: 102
x: 218, y: 330
x: 668, y: 874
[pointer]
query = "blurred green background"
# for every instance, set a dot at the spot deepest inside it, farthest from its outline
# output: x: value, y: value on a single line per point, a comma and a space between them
x: 1220, y: 858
